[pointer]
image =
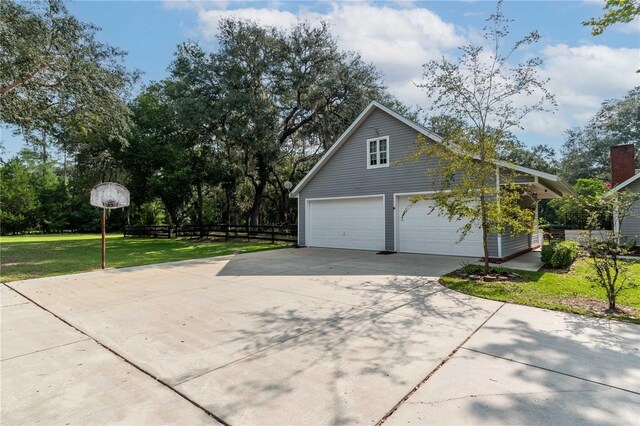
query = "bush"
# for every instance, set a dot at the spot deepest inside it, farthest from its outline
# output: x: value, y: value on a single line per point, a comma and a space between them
x: 560, y: 254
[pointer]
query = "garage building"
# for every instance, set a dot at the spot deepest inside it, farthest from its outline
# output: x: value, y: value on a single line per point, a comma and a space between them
x: 356, y: 196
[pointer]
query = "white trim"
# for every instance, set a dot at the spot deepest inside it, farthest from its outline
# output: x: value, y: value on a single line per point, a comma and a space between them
x: 377, y: 140
x: 616, y: 225
x: 396, y: 212
x: 625, y: 183
x: 307, y: 220
x: 419, y: 192
x: 395, y: 223
x: 344, y: 197
x: 298, y: 220
x: 307, y: 214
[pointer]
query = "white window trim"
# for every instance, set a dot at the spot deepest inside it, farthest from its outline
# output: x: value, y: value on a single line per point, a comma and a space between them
x: 378, y: 165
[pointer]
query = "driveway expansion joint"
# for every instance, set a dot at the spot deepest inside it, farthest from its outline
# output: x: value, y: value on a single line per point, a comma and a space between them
x: 440, y: 365
x: 595, y: 382
x: 375, y: 313
x: 145, y: 372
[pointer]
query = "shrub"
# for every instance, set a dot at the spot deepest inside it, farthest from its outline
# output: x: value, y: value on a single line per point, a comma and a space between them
x: 560, y: 254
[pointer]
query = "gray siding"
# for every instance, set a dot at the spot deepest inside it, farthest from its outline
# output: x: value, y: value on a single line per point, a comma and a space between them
x: 346, y: 173
x: 492, y: 242
x: 514, y: 244
x: 630, y: 227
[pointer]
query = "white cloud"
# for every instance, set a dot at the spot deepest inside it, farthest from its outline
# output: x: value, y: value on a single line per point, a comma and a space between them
x: 629, y: 27
x: 400, y: 40
x: 208, y: 19
x: 581, y: 78
x: 397, y: 40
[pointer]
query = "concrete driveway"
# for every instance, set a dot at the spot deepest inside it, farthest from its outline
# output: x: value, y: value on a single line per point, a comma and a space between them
x: 303, y: 336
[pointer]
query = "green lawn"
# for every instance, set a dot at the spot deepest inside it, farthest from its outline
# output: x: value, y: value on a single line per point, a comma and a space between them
x: 569, y: 291
x: 33, y: 256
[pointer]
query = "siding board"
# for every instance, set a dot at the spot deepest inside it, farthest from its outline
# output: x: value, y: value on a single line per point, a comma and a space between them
x: 346, y: 173
x: 630, y: 227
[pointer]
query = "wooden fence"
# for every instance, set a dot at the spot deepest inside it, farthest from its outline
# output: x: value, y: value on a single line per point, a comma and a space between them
x: 273, y: 233
x: 161, y: 231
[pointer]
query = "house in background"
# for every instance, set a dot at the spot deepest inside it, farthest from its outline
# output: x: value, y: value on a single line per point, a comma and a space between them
x: 624, y: 176
x: 355, y: 196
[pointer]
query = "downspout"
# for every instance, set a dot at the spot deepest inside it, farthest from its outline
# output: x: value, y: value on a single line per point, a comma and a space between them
x: 498, y: 196
x: 616, y: 225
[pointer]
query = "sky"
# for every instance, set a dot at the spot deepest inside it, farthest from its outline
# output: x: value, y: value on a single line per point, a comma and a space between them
x: 398, y: 37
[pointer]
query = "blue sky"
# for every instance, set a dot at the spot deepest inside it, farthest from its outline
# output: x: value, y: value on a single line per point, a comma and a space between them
x: 398, y: 37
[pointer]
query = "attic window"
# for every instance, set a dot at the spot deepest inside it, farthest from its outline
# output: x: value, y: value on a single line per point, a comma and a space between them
x: 378, y: 152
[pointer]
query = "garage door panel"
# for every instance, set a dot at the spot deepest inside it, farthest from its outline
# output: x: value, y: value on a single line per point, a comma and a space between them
x: 421, y: 232
x: 354, y: 223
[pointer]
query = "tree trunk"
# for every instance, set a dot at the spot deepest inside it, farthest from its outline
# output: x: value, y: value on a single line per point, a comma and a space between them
x: 254, y: 218
x: 612, y: 304
x: 485, y: 244
x: 259, y: 185
x: 173, y: 213
x: 199, y: 203
x: 283, y: 210
x: 227, y: 211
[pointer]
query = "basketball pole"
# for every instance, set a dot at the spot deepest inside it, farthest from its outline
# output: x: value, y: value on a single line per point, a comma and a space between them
x: 104, y: 236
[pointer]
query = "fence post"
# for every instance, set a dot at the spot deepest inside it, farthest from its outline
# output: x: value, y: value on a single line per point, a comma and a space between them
x: 169, y: 231
x: 226, y: 232
x: 273, y: 234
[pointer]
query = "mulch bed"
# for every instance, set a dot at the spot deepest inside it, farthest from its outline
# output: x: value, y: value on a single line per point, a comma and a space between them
x: 598, y: 307
x: 482, y: 276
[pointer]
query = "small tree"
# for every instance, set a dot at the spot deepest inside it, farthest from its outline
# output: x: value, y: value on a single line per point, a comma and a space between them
x: 610, y: 271
x: 616, y: 11
x: 485, y: 96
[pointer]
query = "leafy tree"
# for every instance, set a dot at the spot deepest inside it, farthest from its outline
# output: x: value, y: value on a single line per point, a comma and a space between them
x: 578, y: 212
x: 605, y: 250
x: 616, y: 11
x: 55, y: 74
x: 18, y: 197
x: 276, y: 94
x: 585, y: 153
x: 479, y: 90
x: 34, y: 195
x: 538, y: 157
x: 155, y: 159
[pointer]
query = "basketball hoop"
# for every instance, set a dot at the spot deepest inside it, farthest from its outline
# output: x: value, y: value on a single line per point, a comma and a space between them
x: 108, y: 195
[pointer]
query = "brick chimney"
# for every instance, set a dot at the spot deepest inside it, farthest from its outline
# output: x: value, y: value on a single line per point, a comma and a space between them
x: 623, y: 163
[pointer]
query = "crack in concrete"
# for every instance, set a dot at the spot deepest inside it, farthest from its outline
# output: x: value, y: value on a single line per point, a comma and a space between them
x: 552, y: 371
x: 45, y: 349
x: 503, y: 394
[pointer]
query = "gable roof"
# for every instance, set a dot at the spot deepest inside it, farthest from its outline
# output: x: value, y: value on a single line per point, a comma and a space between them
x: 625, y: 183
x: 562, y: 186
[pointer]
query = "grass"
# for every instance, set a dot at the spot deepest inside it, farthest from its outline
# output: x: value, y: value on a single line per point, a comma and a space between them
x: 33, y: 256
x: 570, y: 291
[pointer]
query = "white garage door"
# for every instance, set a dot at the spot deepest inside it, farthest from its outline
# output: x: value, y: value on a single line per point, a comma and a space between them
x: 353, y: 223
x: 419, y: 232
